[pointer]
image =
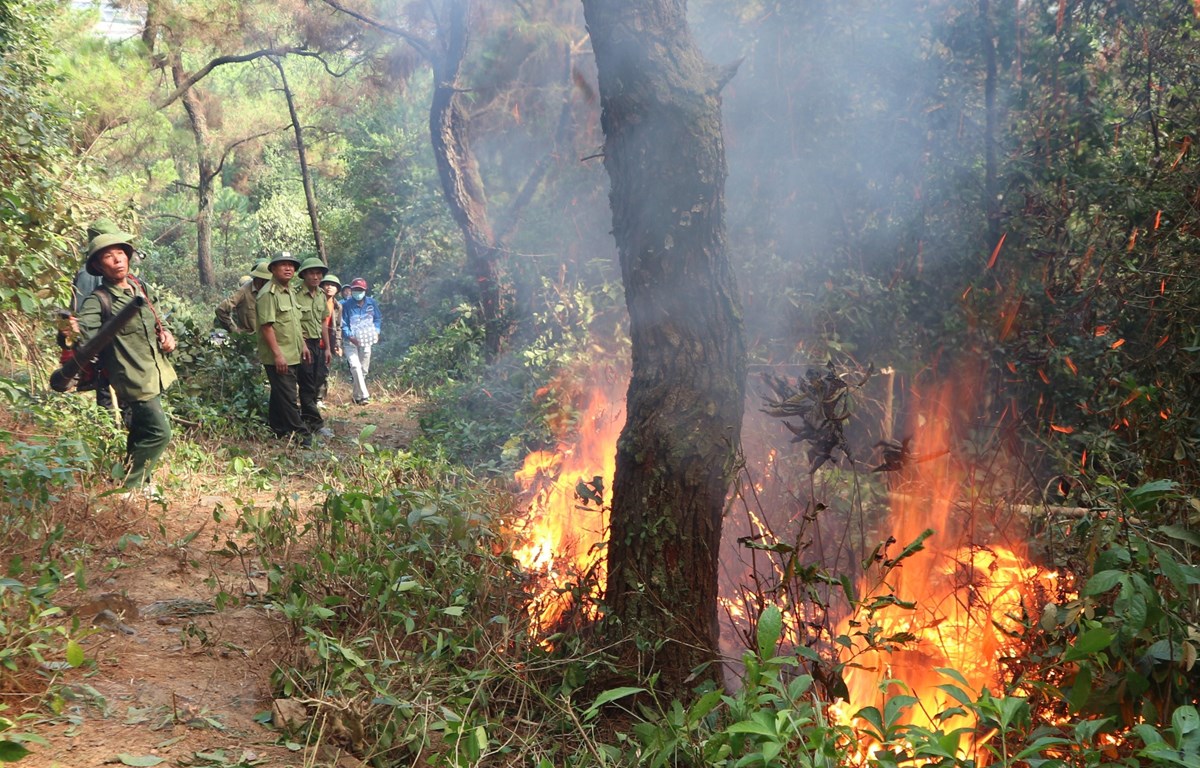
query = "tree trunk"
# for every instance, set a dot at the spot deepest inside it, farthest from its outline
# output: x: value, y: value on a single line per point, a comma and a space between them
x: 665, y: 156
x: 205, y: 171
x: 991, y: 199
x: 459, y: 172
x: 309, y: 195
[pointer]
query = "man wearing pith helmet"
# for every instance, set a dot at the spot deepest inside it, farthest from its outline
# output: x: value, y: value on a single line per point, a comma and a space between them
x: 314, y: 311
x: 135, y: 361
x: 281, y: 347
x: 239, y: 313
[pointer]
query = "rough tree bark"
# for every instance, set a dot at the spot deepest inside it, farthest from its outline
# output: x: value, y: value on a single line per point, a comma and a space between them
x: 458, y: 170
x: 310, y: 196
x: 205, y: 168
x: 665, y: 156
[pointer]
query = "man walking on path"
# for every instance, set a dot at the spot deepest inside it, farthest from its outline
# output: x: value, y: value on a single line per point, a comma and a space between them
x: 360, y: 331
x: 135, y: 361
x: 281, y: 348
x: 314, y: 311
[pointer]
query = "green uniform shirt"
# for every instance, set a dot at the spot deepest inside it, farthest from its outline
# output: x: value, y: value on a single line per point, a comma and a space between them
x: 279, y: 307
x: 313, y: 311
x: 136, y: 367
x: 238, y: 313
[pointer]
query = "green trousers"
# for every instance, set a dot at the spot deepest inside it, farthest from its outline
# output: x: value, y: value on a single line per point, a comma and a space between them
x: 149, y: 433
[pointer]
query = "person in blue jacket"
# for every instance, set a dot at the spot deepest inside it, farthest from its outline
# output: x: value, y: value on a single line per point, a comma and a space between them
x: 360, y: 331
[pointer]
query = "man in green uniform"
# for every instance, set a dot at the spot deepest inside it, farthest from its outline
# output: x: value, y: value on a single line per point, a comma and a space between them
x: 281, y: 347
x: 239, y: 313
x: 314, y: 311
x: 135, y: 361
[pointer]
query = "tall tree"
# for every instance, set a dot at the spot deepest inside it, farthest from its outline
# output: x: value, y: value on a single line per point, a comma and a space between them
x: 665, y: 156
x: 310, y: 195
x: 443, y: 45
x: 169, y: 27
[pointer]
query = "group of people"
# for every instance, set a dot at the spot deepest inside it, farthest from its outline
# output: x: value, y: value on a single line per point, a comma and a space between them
x: 300, y: 324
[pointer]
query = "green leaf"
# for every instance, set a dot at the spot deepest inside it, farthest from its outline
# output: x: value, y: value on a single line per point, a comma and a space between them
x: 75, y: 654
x: 1086, y: 730
x: 1144, y: 496
x: 1185, y: 720
x: 1102, y: 582
x: 1180, y: 576
x: 770, y: 629
x: 11, y: 751
x: 1181, y: 533
x: 915, y: 546
x: 609, y: 696
x: 894, y: 707
x: 953, y: 674
x: 958, y: 693
x: 1013, y: 710
x: 1088, y: 643
x: 751, y: 726
x: 1040, y: 744
x: 702, y: 707
x: 873, y: 716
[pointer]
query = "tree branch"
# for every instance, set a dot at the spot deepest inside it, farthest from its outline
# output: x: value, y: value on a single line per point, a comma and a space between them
x: 329, y: 70
x: 420, y: 45
x: 235, y: 144
x: 201, y: 73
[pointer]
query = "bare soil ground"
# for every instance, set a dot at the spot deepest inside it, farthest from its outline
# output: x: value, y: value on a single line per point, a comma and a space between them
x: 173, y: 686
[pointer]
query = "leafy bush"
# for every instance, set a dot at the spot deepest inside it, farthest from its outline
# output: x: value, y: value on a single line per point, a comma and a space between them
x: 389, y: 603
x: 449, y: 351
x: 56, y: 439
x: 221, y: 389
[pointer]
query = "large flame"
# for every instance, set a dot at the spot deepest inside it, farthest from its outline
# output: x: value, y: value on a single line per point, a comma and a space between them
x: 971, y: 593
x: 570, y: 491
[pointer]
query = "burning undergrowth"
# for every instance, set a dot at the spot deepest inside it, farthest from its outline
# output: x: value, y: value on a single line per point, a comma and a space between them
x: 569, y: 492
x: 899, y: 567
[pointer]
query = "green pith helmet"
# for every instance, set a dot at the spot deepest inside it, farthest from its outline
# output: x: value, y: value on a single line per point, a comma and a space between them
x: 312, y: 262
x: 331, y: 278
x: 100, y: 242
x: 260, y: 270
x: 101, y: 227
x: 282, y: 257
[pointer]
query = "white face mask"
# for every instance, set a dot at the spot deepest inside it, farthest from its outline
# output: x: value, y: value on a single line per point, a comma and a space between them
x: 358, y: 295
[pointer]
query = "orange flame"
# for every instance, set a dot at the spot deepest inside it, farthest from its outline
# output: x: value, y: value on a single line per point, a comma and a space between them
x: 569, y: 492
x: 970, y: 597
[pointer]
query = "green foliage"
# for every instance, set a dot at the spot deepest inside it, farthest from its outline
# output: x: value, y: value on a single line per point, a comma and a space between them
x: 33, y: 636
x: 1127, y: 645
x: 492, y: 416
x: 35, y: 211
x: 12, y: 745
x: 70, y: 437
x: 449, y: 353
x: 390, y: 604
x: 221, y: 389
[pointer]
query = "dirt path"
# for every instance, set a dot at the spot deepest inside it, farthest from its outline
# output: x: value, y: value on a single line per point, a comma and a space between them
x: 173, y: 679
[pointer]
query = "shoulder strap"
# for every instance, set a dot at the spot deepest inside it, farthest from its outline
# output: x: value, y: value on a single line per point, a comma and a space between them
x: 139, y: 287
x: 105, y: 299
